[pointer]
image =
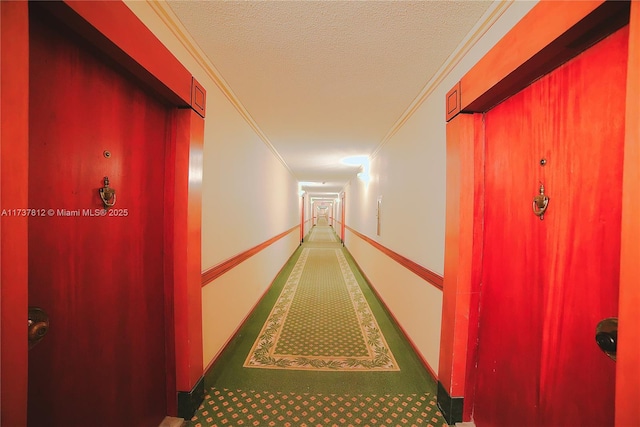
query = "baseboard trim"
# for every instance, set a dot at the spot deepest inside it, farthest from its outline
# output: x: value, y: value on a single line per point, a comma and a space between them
x: 404, y: 333
x: 226, y: 344
x: 451, y: 407
x: 189, y: 401
x: 246, y: 318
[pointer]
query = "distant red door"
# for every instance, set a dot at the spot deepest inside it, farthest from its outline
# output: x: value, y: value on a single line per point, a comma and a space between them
x: 547, y: 283
x: 342, y: 218
x: 98, y: 276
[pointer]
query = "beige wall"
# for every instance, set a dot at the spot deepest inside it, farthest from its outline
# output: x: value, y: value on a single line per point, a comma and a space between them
x: 249, y: 196
x: 408, y: 171
x: 234, y: 294
x: 400, y: 289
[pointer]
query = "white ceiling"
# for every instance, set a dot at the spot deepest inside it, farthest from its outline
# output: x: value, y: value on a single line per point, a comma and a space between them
x: 327, y: 79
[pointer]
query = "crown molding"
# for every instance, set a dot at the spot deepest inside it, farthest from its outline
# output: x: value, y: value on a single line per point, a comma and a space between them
x: 489, y: 19
x: 173, y: 24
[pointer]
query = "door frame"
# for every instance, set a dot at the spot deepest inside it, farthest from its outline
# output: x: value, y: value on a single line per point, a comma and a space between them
x: 113, y: 29
x: 343, y: 198
x: 525, y: 53
x: 301, y: 219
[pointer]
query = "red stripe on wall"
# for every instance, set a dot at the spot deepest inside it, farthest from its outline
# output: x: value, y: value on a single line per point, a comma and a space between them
x: 424, y: 273
x: 399, y: 325
x: 216, y: 271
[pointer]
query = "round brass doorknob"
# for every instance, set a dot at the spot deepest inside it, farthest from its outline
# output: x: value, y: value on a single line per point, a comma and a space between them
x: 38, y: 330
x: 38, y: 325
x: 607, y: 336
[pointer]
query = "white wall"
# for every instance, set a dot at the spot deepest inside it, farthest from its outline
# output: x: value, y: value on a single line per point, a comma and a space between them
x: 249, y: 196
x: 408, y: 171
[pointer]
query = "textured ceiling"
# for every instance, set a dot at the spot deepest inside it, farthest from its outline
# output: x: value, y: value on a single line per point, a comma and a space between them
x: 327, y: 79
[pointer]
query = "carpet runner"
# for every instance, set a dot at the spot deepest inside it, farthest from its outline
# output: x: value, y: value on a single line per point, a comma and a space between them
x: 321, y: 321
x: 326, y: 352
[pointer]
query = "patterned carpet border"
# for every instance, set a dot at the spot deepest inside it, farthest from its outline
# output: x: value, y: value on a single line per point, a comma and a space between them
x: 223, y: 407
x: 379, y: 356
x: 323, y: 234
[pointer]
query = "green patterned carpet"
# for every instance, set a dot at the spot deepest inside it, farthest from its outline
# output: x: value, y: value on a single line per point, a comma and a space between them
x: 327, y: 354
x: 321, y: 321
x: 238, y: 408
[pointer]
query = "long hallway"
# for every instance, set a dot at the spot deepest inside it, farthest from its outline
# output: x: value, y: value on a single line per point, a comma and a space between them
x: 319, y: 350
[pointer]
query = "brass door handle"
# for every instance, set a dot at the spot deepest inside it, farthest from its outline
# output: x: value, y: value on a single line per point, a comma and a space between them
x: 107, y: 194
x: 540, y: 203
x: 607, y: 336
x: 38, y: 325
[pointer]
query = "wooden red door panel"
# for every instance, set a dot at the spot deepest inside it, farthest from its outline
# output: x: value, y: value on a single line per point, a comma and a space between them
x: 586, y: 169
x: 99, y: 275
x: 511, y: 286
x: 547, y: 283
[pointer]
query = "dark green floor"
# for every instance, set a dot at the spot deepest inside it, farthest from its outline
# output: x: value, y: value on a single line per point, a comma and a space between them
x: 369, y: 391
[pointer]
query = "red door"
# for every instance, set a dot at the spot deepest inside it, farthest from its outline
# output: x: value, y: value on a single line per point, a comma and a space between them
x: 99, y: 275
x: 547, y: 283
x: 302, y: 219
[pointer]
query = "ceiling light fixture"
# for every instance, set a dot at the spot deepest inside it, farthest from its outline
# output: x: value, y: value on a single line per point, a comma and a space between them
x: 363, y: 162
